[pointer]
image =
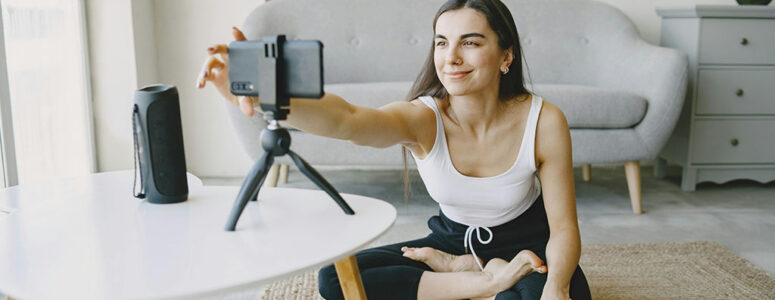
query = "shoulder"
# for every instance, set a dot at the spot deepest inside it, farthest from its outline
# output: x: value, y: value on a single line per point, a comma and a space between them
x: 551, y: 118
x: 420, y: 120
x: 552, y: 134
x: 411, y: 111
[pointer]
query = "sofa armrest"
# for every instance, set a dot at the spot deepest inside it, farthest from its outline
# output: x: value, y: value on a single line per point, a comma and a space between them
x: 658, y: 74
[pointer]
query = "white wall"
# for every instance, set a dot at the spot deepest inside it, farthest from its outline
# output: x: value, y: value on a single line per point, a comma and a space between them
x: 184, y: 29
x: 134, y: 43
x: 113, y: 74
x: 644, y: 15
x: 137, y: 42
x: 144, y: 35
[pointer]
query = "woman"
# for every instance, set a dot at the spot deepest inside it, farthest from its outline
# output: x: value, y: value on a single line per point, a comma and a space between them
x: 481, y: 141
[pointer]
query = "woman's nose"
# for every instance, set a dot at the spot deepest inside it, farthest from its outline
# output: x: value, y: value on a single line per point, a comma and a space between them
x: 452, y: 57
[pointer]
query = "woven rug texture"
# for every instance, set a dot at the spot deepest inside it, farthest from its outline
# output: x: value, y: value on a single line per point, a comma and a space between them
x: 696, y: 270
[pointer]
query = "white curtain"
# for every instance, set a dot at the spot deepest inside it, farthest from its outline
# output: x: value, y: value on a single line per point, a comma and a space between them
x: 48, y: 85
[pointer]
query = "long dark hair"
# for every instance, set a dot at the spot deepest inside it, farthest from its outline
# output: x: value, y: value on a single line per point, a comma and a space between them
x: 512, y: 84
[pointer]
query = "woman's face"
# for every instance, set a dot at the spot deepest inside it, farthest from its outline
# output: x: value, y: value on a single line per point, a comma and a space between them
x: 466, y: 53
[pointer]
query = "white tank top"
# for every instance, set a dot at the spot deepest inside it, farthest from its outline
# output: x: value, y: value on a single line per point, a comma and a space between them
x: 482, y: 201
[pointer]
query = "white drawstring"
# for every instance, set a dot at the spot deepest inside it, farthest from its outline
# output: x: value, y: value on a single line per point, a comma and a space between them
x: 467, y: 241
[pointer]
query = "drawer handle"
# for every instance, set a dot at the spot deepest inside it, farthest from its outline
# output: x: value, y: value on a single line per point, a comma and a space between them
x: 735, y: 142
x: 739, y: 92
x: 744, y: 42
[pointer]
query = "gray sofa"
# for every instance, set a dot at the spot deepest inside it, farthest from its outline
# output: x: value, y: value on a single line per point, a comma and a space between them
x: 621, y: 95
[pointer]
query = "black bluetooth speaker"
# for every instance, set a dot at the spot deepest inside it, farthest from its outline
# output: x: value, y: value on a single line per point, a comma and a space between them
x: 159, y: 144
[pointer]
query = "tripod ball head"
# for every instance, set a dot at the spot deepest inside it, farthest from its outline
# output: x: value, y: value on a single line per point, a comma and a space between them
x: 276, y: 141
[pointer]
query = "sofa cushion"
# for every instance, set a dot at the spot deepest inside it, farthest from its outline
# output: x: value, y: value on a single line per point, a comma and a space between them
x: 584, y: 106
x: 594, y: 107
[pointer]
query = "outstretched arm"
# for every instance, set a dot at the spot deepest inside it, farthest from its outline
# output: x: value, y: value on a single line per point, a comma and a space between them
x: 554, y: 156
x: 331, y: 116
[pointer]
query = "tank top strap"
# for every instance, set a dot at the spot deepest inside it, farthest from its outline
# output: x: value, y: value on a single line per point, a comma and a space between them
x: 440, y: 137
x: 531, y: 128
x: 429, y: 102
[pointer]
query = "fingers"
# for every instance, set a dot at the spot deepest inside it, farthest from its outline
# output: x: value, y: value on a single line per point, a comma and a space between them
x: 238, y: 35
x: 209, y: 70
x: 218, y: 61
x: 246, y: 105
x: 218, y: 49
x: 221, y: 51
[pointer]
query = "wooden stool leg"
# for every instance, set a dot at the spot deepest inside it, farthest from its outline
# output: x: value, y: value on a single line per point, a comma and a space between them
x: 283, y: 174
x: 350, y: 278
x: 271, y: 177
x: 632, y: 170
x: 586, y: 172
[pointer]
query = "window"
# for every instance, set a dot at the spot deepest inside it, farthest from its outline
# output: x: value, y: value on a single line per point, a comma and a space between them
x: 48, y: 87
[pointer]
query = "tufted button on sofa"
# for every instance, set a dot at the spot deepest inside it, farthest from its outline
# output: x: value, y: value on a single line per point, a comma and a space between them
x: 621, y: 95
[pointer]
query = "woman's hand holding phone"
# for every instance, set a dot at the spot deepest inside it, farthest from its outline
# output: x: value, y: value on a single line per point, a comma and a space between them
x: 216, y: 70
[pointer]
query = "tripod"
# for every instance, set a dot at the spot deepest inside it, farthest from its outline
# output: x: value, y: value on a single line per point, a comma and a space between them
x: 276, y: 141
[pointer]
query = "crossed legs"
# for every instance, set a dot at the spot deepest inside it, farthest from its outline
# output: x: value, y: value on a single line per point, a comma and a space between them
x: 456, y: 277
x: 423, y: 272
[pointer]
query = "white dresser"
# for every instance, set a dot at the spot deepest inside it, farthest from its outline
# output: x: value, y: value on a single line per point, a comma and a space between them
x: 727, y: 125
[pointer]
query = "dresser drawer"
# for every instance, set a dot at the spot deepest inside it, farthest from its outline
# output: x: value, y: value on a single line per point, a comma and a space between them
x: 741, y: 92
x: 737, y: 41
x: 734, y: 141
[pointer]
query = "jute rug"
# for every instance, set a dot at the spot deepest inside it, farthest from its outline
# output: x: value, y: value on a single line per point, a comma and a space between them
x: 697, y: 270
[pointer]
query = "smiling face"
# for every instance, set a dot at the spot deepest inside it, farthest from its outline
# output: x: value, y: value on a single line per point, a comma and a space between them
x: 466, y: 55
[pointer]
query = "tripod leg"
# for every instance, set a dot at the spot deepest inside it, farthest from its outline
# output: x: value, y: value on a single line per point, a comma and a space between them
x: 260, y: 184
x: 250, y: 187
x: 321, y: 182
x: 254, y: 197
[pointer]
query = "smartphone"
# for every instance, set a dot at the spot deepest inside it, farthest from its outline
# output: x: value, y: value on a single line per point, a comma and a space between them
x: 303, y: 60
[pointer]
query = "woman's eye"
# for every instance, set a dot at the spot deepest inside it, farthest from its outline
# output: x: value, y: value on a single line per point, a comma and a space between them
x: 441, y: 43
x: 470, y: 43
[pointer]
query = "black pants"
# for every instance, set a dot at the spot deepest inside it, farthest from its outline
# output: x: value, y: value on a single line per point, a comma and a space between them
x: 387, y: 274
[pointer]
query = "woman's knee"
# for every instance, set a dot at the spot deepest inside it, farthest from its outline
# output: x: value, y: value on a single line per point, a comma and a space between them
x: 579, y: 287
x: 508, y: 295
x: 328, y: 283
x: 531, y: 287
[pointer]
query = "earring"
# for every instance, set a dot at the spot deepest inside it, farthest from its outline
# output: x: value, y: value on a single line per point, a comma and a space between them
x: 507, y: 70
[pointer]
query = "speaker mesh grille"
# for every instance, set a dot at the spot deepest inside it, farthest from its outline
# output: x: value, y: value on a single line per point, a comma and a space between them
x: 166, y: 146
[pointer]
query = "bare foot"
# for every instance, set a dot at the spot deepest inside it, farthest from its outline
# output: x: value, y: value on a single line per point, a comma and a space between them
x: 506, y: 274
x: 440, y: 261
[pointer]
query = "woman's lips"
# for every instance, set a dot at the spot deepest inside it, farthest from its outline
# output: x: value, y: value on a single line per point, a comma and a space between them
x: 457, y: 75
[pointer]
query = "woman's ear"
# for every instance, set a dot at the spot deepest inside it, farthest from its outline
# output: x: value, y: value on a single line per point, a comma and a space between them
x: 508, y: 56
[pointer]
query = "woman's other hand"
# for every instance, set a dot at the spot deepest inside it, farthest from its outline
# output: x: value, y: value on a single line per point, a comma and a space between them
x: 216, y: 71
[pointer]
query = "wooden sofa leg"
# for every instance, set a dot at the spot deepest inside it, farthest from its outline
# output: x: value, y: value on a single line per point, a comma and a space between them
x: 632, y: 170
x: 283, y: 174
x: 586, y: 172
x: 271, y: 177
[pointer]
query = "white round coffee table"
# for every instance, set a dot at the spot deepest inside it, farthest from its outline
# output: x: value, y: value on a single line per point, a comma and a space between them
x: 89, y: 238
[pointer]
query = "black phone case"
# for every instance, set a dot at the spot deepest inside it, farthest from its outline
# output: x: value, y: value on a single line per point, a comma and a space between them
x: 303, y: 60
